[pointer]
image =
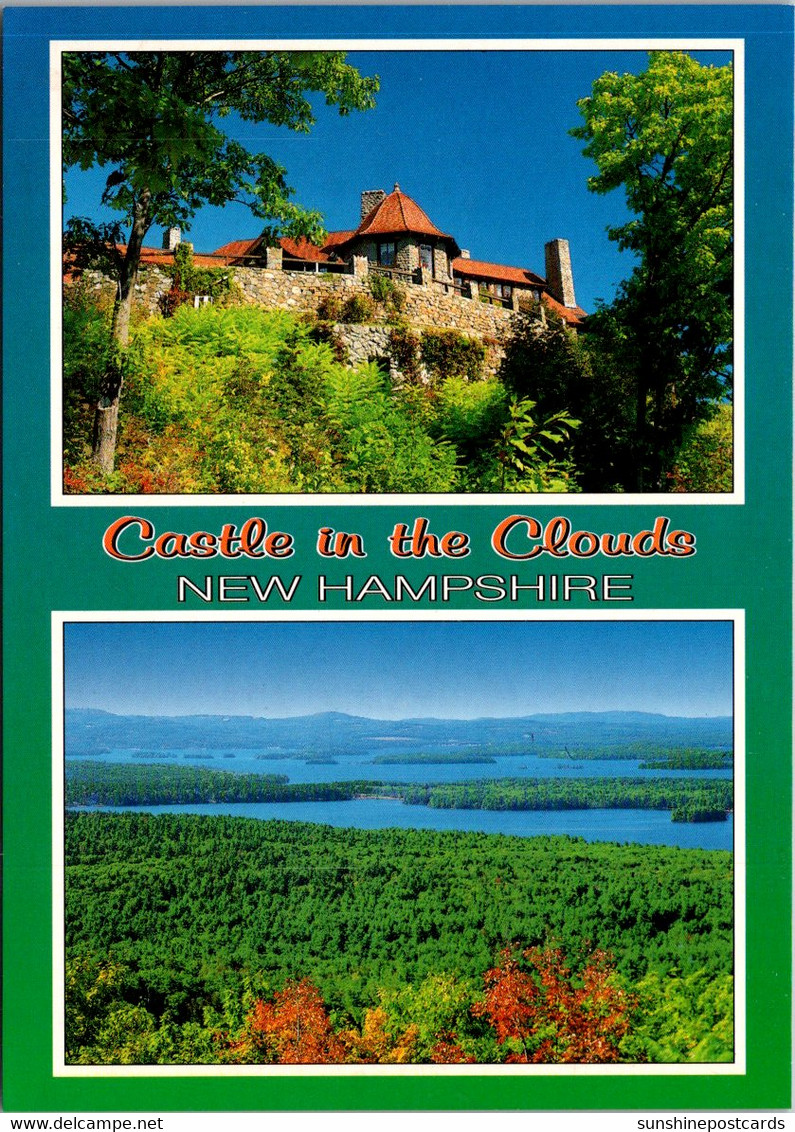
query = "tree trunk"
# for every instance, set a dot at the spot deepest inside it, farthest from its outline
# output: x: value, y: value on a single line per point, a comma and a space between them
x: 106, y: 417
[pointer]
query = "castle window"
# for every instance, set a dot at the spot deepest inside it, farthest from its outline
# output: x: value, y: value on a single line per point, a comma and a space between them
x: 386, y: 254
x: 426, y: 256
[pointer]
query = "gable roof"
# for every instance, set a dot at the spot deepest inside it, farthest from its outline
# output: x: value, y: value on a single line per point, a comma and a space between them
x: 300, y: 248
x: 502, y: 273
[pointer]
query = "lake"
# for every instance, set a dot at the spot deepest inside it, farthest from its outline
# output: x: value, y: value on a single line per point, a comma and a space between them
x: 347, y: 768
x: 645, y: 827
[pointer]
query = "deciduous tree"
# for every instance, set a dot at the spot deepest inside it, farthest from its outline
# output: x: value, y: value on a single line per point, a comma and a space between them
x: 293, y: 1029
x: 545, y: 1012
x: 153, y: 121
x: 665, y: 137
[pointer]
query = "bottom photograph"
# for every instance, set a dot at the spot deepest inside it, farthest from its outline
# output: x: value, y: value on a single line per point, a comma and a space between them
x: 374, y: 843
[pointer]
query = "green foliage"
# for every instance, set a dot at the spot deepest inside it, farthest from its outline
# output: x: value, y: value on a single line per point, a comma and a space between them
x: 680, y: 795
x: 88, y: 351
x: 666, y: 138
x: 177, y: 925
x: 113, y: 784
x: 705, y: 461
x: 189, y: 280
x: 446, y: 353
x: 404, y: 347
x: 94, y: 246
x: 387, y: 292
x: 563, y: 372
x: 321, y: 330
x: 358, y: 308
x: 685, y: 1018
x: 383, y: 445
x: 196, y: 391
x: 470, y: 414
x: 91, y: 986
x: 248, y: 400
x: 124, y: 784
x: 525, y: 450
x: 152, y: 120
x: 415, y: 1016
x: 329, y: 309
x: 688, y: 759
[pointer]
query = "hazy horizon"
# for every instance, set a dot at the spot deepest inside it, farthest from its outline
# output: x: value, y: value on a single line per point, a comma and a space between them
x: 400, y: 670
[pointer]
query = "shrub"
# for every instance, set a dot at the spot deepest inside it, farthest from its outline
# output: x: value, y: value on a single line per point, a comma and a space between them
x: 327, y: 333
x: 471, y: 415
x: 386, y: 291
x: 404, y: 346
x: 446, y: 353
x: 704, y: 462
x: 380, y: 444
x: 249, y: 400
x: 358, y: 308
x: 329, y: 309
x: 173, y: 299
x: 188, y: 278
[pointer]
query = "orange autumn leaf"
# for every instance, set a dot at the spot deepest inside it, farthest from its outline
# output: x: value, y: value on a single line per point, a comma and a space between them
x: 544, y: 1012
x: 293, y: 1029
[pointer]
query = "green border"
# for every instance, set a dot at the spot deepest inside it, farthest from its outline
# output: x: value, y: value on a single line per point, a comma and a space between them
x: 53, y: 560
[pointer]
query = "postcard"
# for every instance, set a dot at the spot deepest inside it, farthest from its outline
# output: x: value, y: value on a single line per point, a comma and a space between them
x: 398, y: 565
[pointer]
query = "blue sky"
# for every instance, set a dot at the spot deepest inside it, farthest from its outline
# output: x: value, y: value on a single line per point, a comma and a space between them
x: 392, y: 670
x: 478, y: 138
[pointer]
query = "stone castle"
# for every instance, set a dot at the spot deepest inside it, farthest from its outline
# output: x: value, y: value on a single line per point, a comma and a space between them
x: 442, y: 286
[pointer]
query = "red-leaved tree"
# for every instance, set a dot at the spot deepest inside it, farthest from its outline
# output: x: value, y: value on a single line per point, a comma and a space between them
x: 294, y: 1029
x: 544, y: 1012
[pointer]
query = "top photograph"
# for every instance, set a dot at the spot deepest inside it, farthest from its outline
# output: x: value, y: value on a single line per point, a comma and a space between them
x: 411, y: 271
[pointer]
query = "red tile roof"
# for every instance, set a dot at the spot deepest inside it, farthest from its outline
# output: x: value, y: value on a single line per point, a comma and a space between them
x: 572, y: 316
x: 157, y: 257
x: 500, y: 272
x: 296, y: 249
x: 238, y: 248
x: 303, y: 249
x: 162, y: 257
x: 336, y: 239
x: 398, y: 213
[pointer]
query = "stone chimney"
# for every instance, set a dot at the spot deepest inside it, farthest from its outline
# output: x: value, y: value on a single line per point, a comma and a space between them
x: 371, y: 198
x: 465, y: 253
x: 171, y: 238
x: 559, y: 277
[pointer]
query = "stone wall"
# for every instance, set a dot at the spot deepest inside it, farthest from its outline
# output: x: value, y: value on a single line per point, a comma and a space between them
x: 424, y: 307
x: 152, y: 285
x: 430, y: 307
x: 371, y: 343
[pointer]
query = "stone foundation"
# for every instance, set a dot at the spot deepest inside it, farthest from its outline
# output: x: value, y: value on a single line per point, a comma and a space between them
x: 429, y: 307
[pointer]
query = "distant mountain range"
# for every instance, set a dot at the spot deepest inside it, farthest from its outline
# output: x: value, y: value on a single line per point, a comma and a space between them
x: 91, y: 731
